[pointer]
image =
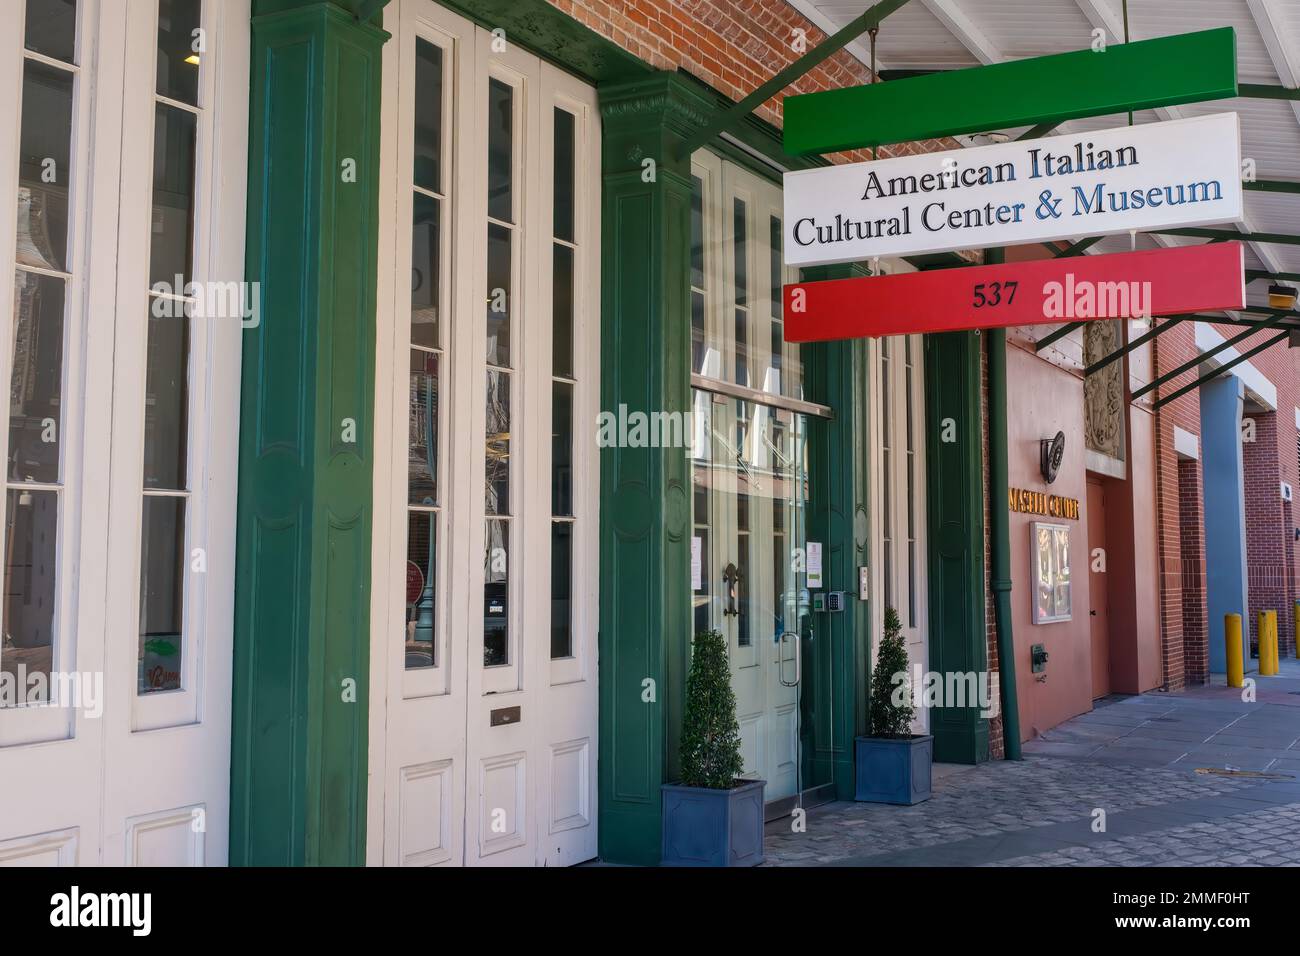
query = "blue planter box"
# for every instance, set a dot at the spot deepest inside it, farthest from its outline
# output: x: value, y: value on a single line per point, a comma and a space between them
x: 893, y: 770
x: 703, y: 827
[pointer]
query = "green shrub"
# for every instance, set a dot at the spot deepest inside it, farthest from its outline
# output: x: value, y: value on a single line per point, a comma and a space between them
x: 887, y: 718
x: 710, y: 734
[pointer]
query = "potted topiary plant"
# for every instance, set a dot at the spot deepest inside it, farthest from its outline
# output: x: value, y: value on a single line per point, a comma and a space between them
x: 711, y: 818
x: 893, y: 764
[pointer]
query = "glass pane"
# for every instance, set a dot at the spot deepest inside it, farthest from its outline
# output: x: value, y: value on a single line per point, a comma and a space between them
x: 421, y: 580
x: 171, y: 248
x: 777, y: 332
x: 744, y: 593
x: 498, y: 444
x: 740, y: 242
x: 697, y: 332
x: 36, y: 388
x: 561, y: 448
x: 697, y: 232
x: 166, y: 399
x: 562, y: 311
x: 564, y: 173
x: 561, y: 589
x: 31, y: 550
x: 180, y: 45
x: 500, y: 120
x: 496, y: 594
x: 52, y: 28
x: 162, y: 593
x: 422, y: 461
x: 742, y: 347
x: 44, y: 161
x: 498, y: 296
x: 428, y: 116
x: 426, y: 270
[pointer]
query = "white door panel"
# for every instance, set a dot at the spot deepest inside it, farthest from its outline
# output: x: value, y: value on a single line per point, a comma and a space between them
x: 488, y: 736
x: 142, y: 778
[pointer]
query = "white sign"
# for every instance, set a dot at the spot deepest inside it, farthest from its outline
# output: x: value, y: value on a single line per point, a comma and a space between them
x: 1157, y: 176
x: 814, y: 564
x: 697, y: 564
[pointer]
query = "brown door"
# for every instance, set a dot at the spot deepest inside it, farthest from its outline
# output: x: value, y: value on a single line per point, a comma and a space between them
x: 1098, y: 614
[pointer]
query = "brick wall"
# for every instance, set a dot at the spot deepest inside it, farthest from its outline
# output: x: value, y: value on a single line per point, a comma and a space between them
x: 1178, y: 517
x: 734, y: 46
x: 1191, y: 522
x: 997, y: 746
x: 1267, y: 461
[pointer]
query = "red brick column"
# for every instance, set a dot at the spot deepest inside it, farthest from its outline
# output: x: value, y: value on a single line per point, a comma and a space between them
x: 1191, y: 524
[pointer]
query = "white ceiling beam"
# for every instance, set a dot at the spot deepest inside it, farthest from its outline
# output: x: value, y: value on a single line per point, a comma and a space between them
x: 1102, y: 16
x: 1285, y: 61
x: 860, y: 49
x: 965, y: 30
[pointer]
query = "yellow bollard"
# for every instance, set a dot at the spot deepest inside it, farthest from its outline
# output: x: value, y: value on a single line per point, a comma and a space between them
x: 1267, y: 643
x: 1232, y: 637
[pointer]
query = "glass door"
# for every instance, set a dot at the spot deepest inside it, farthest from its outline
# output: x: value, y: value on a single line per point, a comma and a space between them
x: 748, y: 570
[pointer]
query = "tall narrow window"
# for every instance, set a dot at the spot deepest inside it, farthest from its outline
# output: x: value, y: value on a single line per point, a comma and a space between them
x: 500, y: 373
x: 910, y: 449
x: 563, y: 384
x: 698, y: 286
x: 171, y: 300
x: 427, y: 360
x: 34, y: 479
x: 775, y: 304
x: 740, y: 244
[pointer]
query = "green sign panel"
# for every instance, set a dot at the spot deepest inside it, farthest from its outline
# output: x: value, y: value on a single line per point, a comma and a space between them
x: 1188, y: 68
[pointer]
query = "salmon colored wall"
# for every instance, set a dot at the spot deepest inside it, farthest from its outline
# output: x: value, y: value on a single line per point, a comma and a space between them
x: 1042, y: 400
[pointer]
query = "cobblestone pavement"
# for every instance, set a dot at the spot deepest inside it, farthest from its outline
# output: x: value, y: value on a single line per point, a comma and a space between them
x: 1181, y: 779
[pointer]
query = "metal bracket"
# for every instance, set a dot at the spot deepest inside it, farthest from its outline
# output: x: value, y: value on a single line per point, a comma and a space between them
x: 1209, y: 376
x: 831, y: 45
x: 1142, y: 339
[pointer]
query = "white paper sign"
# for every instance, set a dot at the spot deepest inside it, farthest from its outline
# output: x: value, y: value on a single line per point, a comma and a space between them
x: 1158, y: 175
x: 697, y: 564
x: 814, y: 564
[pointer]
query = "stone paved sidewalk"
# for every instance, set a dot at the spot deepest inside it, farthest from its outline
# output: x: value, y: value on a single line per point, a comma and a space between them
x: 1195, y: 779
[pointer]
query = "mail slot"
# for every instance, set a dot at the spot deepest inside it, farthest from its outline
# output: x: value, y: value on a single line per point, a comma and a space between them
x: 504, y: 715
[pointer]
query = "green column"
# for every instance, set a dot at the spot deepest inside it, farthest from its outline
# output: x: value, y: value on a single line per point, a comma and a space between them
x: 836, y: 662
x: 302, y: 587
x: 645, y: 492
x: 955, y: 481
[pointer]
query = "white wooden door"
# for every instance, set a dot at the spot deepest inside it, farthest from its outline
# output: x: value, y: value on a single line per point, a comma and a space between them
x: 485, y: 602
x: 898, y: 471
x: 137, y: 558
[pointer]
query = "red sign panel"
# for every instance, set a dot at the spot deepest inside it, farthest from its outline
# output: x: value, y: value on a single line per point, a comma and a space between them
x: 1120, y: 286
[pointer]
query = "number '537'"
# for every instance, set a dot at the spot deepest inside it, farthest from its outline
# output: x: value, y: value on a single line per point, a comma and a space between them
x: 991, y: 293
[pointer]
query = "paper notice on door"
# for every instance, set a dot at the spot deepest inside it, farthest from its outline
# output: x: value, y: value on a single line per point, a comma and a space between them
x: 697, y: 564
x: 814, y: 564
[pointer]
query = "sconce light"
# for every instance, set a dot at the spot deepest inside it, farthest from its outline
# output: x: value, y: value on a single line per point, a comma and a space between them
x: 1050, y: 453
x: 1281, y: 297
